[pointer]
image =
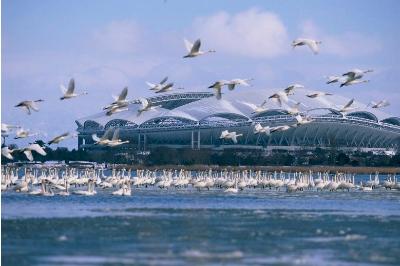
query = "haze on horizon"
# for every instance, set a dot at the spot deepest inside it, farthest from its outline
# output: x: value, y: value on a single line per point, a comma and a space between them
x: 107, y: 45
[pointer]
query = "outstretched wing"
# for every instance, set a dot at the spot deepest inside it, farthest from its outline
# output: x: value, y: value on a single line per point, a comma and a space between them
x: 144, y: 102
x: 349, y: 103
x: 34, y: 106
x: 123, y: 94
x: 234, y: 139
x: 151, y: 85
x: 188, y: 45
x: 71, y: 86
x: 37, y: 148
x: 231, y: 86
x: 107, y: 134
x: 313, y: 46
x: 116, y: 134
x: 95, y: 138
x: 165, y: 88
x: 163, y: 80
x: 63, y: 89
x: 218, y: 93
x: 196, y: 46
x: 28, y: 155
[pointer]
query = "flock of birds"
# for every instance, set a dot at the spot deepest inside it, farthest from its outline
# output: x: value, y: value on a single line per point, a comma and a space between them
x: 56, y: 181
x: 121, y: 103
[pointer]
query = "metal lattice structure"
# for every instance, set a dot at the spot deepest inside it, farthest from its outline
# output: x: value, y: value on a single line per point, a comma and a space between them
x: 196, y: 119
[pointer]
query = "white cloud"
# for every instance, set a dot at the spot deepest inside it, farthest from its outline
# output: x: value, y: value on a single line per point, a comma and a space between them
x: 346, y: 44
x: 118, y: 36
x: 252, y: 33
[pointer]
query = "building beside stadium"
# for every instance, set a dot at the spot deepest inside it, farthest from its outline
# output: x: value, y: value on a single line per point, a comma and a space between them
x: 196, y: 119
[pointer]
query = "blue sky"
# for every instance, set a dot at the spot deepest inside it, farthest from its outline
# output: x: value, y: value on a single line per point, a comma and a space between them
x: 106, y: 45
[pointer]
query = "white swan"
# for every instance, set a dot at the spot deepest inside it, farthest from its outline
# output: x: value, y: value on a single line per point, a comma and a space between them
x: 312, y: 44
x: 230, y: 135
x: 353, y: 82
x: 280, y: 97
x: 165, y: 88
x: 194, y: 49
x: 356, y: 73
x: 115, y: 141
x: 380, y: 104
x: 104, y: 139
x: 29, y: 105
x: 120, y: 102
x: 294, y: 110
x: 6, y: 128
x: 217, y: 86
x: 117, y: 109
x: 333, y: 79
x: 33, y: 147
x: 22, y: 133
x: 347, y: 107
x: 59, y: 138
x: 318, y: 94
x: 234, y: 82
x: 258, y: 128
x: 289, y: 89
x: 69, y: 93
x: 6, y: 152
x: 157, y: 86
x: 146, y: 106
x: 303, y: 120
x: 256, y: 108
x: 279, y: 128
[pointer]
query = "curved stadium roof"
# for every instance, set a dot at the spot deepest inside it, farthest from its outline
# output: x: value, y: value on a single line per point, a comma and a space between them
x: 199, y: 106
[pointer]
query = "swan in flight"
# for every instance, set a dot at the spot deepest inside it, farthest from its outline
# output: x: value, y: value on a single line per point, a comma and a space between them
x: 234, y: 82
x: 165, y: 88
x: 104, y: 139
x: 318, y: 94
x: 347, y: 107
x: 29, y: 105
x: 69, y: 93
x: 279, y: 128
x: 6, y: 128
x: 303, y: 120
x: 258, y: 128
x: 333, y: 79
x: 217, y: 86
x: 59, y: 138
x: 290, y: 89
x: 22, y: 133
x: 33, y: 147
x: 117, y: 109
x: 120, y: 102
x: 353, y: 82
x: 158, y: 86
x: 280, y: 97
x: 380, y: 104
x: 115, y: 141
x: 256, y: 108
x: 6, y: 152
x: 312, y: 44
x: 146, y: 106
x: 230, y: 135
x: 194, y: 49
x: 356, y: 73
x: 294, y: 110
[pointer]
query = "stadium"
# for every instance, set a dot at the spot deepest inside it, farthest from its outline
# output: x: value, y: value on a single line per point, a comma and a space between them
x: 196, y: 119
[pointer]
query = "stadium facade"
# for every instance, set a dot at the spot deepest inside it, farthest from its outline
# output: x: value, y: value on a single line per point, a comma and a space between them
x: 196, y: 119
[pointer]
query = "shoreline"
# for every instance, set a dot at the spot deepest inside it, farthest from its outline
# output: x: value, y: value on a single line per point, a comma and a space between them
x: 315, y: 168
